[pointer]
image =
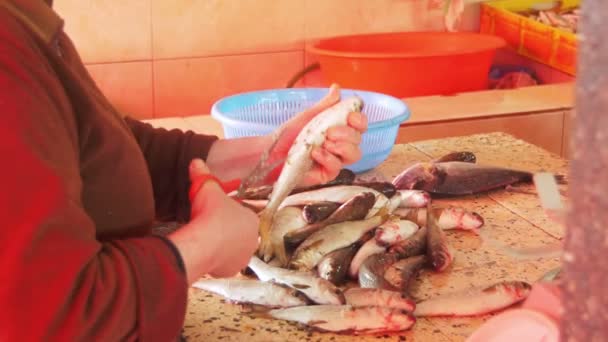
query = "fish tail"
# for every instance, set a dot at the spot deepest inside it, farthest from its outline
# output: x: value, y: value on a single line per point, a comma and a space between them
x: 257, y: 311
x: 280, y: 253
x: 265, y: 249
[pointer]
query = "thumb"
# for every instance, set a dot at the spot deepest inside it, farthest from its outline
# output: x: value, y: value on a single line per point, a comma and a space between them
x: 197, y: 168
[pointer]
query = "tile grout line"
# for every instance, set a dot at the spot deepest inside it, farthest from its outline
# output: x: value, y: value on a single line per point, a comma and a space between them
x: 237, y: 54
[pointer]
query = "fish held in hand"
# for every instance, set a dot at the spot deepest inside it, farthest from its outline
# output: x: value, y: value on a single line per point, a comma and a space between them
x: 334, y: 266
x: 316, y: 289
x: 355, y: 209
x: 437, y: 247
x: 344, y: 318
x: 251, y: 291
x: 345, y: 177
x: 299, y: 161
x: 476, y: 301
x: 333, y: 237
x: 459, y: 178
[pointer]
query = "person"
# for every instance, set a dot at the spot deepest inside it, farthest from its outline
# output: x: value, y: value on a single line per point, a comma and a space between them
x: 83, y: 184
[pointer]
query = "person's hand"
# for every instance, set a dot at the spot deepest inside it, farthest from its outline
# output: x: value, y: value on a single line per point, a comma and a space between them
x: 546, y: 298
x: 341, y: 145
x: 235, y: 228
x: 221, y: 236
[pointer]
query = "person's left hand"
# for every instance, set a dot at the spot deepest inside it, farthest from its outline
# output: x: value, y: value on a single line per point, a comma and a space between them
x: 341, y: 146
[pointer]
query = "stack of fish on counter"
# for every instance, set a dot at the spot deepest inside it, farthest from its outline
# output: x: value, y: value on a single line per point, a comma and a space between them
x: 340, y: 256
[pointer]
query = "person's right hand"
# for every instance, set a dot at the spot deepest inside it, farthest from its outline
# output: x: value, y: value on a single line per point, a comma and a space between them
x: 234, y: 227
x: 221, y: 236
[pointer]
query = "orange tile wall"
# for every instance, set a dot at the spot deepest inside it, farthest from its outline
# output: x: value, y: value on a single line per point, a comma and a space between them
x: 159, y: 58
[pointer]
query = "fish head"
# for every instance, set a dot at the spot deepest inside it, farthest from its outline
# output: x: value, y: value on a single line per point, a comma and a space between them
x: 417, y: 177
x: 355, y: 104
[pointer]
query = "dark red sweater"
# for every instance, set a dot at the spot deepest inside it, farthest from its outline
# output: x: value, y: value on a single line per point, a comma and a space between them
x: 80, y: 188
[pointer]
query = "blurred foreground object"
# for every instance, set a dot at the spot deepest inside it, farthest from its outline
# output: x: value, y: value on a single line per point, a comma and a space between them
x: 586, y: 247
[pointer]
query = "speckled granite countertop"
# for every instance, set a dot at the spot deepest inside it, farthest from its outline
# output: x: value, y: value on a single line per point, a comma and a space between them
x: 511, y: 218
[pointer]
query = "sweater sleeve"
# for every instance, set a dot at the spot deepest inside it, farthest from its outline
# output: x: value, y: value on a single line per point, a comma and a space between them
x: 168, y: 154
x: 58, y: 281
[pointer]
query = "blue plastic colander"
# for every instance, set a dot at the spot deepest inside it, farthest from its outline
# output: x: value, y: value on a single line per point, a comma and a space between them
x: 261, y: 112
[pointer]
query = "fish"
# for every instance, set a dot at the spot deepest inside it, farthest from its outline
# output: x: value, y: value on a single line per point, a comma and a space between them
x: 371, y: 272
x: 339, y: 194
x: 287, y: 220
x: 394, y: 231
x: 412, y: 246
x: 345, y: 177
x: 355, y: 209
x: 386, y: 188
x: 448, y: 218
x: 437, y: 248
x: 316, y: 289
x: 402, y: 273
x: 387, y: 234
x: 270, y: 161
x: 299, y: 161
x: 369, y: 248
x: 475, y: 301
x: 251, y: 291
x: 413, y: 198
x: 319, y: 211
x: 344, y: 318
x: 461, y: 156
x: 333, y: 237
x: 460, y: 178
x: 334, y: 266
x: 394, y: 203
x: 362, y: 297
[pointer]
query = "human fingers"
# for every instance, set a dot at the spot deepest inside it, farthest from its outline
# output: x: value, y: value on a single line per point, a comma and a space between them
x: 344, y: 134
x: 197, y: 168
x: 358, y: 121
x: 347, y: 152
x: 327, y: 168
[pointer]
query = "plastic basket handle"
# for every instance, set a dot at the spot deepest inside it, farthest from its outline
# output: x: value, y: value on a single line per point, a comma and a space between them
x: 301, y: 73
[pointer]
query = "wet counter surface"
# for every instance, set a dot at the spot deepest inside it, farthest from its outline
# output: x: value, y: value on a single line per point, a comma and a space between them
x: 511, y: 218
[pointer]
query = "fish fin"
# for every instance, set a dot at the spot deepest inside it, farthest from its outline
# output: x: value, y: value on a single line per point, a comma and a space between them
x: 264, y: 167
x: 265, y: 248
x: 280, y: 253
x: 256, y: 311
x: 314, y: 323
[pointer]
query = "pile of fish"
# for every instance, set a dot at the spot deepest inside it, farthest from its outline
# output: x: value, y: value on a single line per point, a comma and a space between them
x: 565, y: 20
x: 341, y: 256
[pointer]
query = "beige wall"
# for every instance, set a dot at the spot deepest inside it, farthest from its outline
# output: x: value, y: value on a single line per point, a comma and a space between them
x: 156, y: 58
